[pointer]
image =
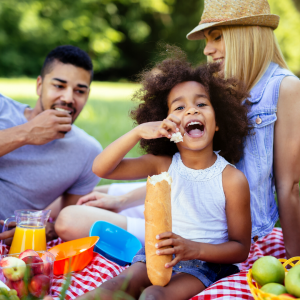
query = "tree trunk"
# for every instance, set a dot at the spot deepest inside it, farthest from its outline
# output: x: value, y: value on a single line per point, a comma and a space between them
x: 297, y: 4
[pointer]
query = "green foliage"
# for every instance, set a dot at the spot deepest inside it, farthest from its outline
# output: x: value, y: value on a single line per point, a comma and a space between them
x: 287, y: 32
x: 119, y: 35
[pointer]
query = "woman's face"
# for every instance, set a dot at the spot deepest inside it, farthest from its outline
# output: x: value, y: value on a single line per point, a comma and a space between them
x: 215, y: 46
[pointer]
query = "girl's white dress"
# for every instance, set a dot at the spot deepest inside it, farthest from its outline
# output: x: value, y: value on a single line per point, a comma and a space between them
x: 198, y: 202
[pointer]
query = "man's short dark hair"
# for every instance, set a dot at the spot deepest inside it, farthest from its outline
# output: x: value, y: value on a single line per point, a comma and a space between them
x: 68, y: 54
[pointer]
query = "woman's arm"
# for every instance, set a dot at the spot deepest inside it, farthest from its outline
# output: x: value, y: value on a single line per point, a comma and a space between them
x: 110, y: 163
x: 114, y: 203
x: 238, y: 215
x: 287, y: 163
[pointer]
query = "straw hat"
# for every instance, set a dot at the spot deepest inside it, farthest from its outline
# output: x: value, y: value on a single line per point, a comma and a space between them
x: 234, y: 12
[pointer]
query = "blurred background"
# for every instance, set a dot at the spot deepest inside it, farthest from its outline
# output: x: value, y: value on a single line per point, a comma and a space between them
x: 121, y: 37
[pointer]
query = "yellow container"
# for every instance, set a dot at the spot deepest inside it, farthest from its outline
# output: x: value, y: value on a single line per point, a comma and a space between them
x: 259, y: 294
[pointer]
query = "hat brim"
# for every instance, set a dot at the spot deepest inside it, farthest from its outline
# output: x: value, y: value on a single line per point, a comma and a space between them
x: 268, y: 20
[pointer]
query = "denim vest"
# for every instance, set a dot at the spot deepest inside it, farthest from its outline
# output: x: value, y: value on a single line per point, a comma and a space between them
x: 257, y: 160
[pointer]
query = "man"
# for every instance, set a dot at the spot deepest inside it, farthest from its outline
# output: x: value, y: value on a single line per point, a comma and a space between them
x: 42, y: 155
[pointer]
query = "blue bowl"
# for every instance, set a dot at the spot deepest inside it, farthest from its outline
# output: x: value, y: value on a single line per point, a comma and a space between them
x: 115, y: 243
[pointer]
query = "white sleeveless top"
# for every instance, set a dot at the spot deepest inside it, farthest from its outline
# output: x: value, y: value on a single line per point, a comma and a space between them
x: 198, y: 202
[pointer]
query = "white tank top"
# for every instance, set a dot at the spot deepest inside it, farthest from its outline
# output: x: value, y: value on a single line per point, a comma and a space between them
x: 198, y: 202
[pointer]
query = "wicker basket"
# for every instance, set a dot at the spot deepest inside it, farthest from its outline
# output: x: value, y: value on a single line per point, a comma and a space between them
x: 260, y: 295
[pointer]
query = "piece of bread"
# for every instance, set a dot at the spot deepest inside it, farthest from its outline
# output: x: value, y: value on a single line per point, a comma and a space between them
x: 158, y: 219
x: 176, y: 137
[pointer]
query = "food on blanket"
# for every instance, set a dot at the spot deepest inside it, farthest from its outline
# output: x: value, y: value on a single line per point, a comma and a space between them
x: 47, y: 265
x: 176, y: 137
x: 268, y: 269
x: 20, y: 287
x: 28, y: 252
x: 8, y: 295
x: 39, y: 285
x: 289, y: 296
x: 35, y: 264
x: 158, y: 219
x: 292, y: 281
x: 274, y: 288
x: 13, y: 268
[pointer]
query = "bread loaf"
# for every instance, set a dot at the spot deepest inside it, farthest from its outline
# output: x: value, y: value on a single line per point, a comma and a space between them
x: 158, y: 219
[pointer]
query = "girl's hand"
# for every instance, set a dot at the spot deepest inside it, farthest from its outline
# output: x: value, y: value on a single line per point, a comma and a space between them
x: 165, y: 128
x: 182, y: 248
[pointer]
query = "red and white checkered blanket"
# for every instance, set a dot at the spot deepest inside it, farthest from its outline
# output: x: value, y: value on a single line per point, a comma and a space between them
x: 233, y: 287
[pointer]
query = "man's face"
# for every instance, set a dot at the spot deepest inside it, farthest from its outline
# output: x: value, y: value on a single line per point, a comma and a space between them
x: 66, y: 87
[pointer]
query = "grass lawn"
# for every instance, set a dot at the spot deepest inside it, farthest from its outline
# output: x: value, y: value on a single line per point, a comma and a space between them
x: 105, y: 116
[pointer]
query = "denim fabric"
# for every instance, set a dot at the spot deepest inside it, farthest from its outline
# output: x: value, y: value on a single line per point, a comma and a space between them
x: 257, y: 160
x: 207, y: 273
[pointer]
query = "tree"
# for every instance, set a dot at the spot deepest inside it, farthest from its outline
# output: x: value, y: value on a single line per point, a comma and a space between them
x: 119, y: 35
x: 297, y: 4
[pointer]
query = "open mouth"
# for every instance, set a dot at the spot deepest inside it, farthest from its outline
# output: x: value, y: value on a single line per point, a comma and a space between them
x: 194, y: 129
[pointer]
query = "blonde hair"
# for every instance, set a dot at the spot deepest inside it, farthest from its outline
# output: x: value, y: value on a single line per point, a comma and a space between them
x: 249, y: 51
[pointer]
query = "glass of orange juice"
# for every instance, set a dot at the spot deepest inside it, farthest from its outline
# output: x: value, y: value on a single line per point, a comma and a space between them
x: 30, y: 231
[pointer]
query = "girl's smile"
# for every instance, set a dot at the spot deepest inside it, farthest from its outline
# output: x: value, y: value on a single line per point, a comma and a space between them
x: 194, y: 128
x: 190, y: 102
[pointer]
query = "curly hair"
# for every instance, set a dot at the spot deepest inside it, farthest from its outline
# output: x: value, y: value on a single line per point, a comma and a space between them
x: 225, y: 96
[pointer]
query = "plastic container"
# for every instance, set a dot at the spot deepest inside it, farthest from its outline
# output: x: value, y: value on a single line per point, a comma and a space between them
x: 73, y: 256
x: 115, y: 243
x: 259, y: 294
x: 34, y: 279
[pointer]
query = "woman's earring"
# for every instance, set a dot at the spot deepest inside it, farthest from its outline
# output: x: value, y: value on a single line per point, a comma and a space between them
x: 217, y: 128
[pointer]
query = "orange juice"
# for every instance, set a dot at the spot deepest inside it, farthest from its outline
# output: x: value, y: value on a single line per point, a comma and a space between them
x: 28, y: 237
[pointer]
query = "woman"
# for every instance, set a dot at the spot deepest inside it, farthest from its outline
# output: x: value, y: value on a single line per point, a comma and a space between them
x: 239, y: 34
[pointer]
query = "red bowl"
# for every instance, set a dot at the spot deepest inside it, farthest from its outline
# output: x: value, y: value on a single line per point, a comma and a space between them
x: 74, y: 255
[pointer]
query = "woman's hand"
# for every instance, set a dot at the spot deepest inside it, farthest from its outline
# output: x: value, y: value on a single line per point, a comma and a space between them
x: 182, y: 248
x: 165, y: 128
x: 101, y: 200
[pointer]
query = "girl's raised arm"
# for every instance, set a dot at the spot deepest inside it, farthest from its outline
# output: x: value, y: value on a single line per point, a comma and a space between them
x: 111, y: 163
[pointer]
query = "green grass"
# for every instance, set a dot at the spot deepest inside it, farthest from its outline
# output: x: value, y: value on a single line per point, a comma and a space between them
x: 105, y: 116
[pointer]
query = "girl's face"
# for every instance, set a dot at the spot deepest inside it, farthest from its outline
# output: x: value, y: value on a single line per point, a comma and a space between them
x: 190, y: 102
x: 215, y: 45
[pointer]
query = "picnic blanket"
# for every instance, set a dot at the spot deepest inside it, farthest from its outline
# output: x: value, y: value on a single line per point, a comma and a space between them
x: 101, y: 269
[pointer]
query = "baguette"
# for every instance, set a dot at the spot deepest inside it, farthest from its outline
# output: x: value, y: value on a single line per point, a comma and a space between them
x: 158, y: 219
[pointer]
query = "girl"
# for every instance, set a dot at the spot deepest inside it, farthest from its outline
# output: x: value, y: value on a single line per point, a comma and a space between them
x: 210, y: 198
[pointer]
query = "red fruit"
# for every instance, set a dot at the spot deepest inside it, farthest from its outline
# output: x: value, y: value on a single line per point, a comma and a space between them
x: 35, y: 263
x: 28, y: 252
x: 9, y: 284
x: 39, y: 285
x: 13, y: 268
x: 288, y: 295
x: 47, y: 268
x: 20, y: 287
x: 47, y: 265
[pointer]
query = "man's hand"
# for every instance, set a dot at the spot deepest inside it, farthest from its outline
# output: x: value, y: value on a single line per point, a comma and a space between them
x: 8, y: 234
x: 47, y: 126
x: 50, y: 232
x: 182, y: 248
x: 101, y: 200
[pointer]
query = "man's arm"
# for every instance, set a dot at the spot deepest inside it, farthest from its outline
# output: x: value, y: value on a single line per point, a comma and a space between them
x: 287, y: 163
x: 45, y: 127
